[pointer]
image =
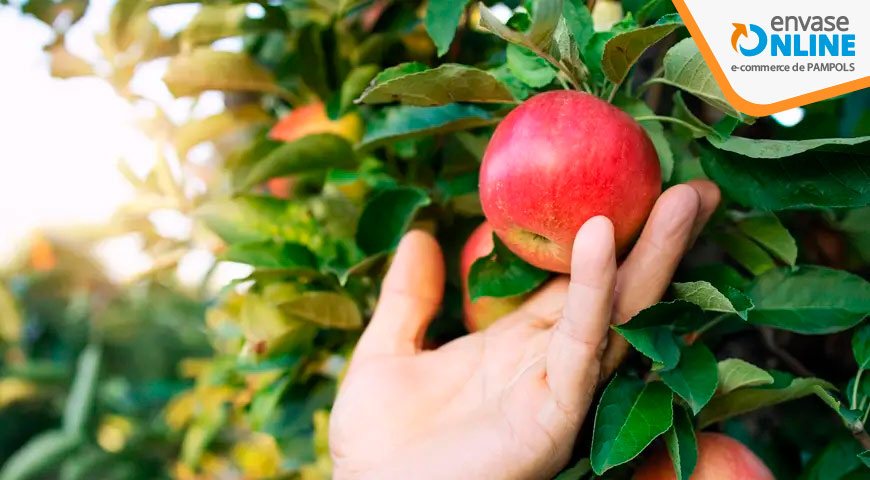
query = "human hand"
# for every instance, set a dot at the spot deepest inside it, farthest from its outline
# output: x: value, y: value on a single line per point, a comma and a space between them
x: 506, y: 402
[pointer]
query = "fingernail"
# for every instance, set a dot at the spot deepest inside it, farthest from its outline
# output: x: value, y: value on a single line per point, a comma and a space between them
x: 594, y: 244
x: 680, y: 210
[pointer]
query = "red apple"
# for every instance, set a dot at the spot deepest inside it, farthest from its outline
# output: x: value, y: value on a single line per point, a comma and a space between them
x: 559, y: 159
x: 720, y: 457
x: 486, y: 310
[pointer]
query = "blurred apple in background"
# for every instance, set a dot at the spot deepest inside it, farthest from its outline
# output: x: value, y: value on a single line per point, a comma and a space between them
x: 486, y: 310
x: 720, y: 457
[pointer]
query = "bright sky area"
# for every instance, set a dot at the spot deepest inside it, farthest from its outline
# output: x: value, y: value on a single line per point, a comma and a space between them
x: 62, y: 140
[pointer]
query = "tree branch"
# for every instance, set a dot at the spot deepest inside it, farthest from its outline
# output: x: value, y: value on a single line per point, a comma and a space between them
x: 863, y: 438
x: 793, y: 363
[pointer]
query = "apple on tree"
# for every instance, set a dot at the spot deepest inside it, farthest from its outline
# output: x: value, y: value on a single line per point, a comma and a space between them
x: 559, y: 159
x: 720, y: 457
x: 486, y: 310
x: 305, y: 120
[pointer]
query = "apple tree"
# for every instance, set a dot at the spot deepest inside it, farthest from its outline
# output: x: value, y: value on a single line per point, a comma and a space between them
x: 349, y: 122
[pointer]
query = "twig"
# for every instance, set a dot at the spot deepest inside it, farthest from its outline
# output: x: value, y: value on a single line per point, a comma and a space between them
x: 661, y: 118
x: 613, y: 92
x: 863, y: 438
x: 787, y: 358
x: 575, y: 82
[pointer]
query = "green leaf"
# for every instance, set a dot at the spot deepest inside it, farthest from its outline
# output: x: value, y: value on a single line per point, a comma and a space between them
x: 255, y: 218
x: 719, y: 275
x: 856, y: 226
x: 809, y: 299
x: 271, y: 254
x: 442, y: 19
x: 39, y: 454
x: 354, y: 84
x: 48, y: 11
x: 545, y: 19
x: 579, y: 21
x: 770, y: 149
x: 502, y: 274
x: 325, y: 309
x: 312, y: 53
x: 399, y: 70
x: 446, y: 84
x: 309, y: 153
x: 404, y: 122
x: 489, y: 21
x: 735, y: 373
x: 767, y: 230
x: 630, y: 415
x: 696, y: 376
x: 655, y: 130
x: 708, y: 297
x: 660, y: 344
x: 682, y: 444
x: 202, y: 69
x: 685, y: 68
x: 85, y: 464
x: 725, y: 126
x: 533, y: 70
x: 80, y: 401
x: 835, y: 461
x: 623, y: 50
x: 861, y: 346
x: 821, y: 178
x: 746, y: 252
x: 214, y: 22
x: 744, y: 400
x: 518, y: 89
x: 576, y: 472
x: 386, y: 217
x: 265, y: 402
x: 216, y: 126
x: 681, y: 110
x: 865, y: 458
x: 653, y: 331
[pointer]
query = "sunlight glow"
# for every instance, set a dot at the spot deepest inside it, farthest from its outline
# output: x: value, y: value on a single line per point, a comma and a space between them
x: 789, y: 118
x: 64, y: 139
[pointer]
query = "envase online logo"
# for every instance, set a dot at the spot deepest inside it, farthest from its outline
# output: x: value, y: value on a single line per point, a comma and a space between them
x: 772, y: 55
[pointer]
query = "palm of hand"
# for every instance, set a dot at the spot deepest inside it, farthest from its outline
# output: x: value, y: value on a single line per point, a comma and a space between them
x: 485, y: 390
x: 506, y: 402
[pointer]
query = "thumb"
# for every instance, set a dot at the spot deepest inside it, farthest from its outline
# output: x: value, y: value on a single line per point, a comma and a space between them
x: 410, y: 296
x: 576, y: 345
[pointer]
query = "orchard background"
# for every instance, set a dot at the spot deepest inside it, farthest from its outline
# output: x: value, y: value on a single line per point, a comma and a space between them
x: 348, y: 122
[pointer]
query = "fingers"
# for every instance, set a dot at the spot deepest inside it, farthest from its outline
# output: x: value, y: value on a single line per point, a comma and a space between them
x: 410, y: 296
x: 648, y: 269
x: 577, y: 340
x: 710, y: 197
x: 678, y: 217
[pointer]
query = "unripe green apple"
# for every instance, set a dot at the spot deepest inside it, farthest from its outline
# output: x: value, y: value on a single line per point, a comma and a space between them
x: 559, y: 159
x: 720, y: 457
x: 486, y: 310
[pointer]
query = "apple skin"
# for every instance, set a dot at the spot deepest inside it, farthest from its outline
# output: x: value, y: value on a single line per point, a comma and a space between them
x: 720, y: 457
x: 486, y: 310
x: 559, y: 159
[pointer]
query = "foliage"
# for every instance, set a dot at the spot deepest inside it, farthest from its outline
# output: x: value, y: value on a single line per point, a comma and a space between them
x: 784, y: 258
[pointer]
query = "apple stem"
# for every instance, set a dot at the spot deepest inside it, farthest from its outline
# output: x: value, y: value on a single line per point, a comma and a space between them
x: 613, y: 92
